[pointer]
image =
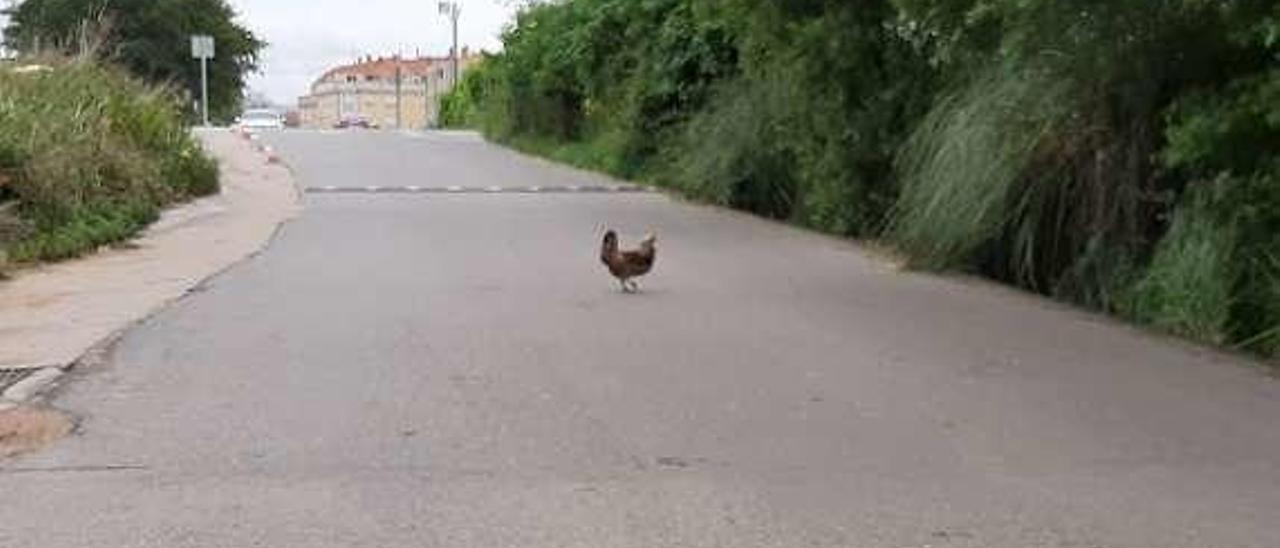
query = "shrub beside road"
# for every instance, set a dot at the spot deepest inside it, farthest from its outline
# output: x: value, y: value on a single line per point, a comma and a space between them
x: 88, y: 157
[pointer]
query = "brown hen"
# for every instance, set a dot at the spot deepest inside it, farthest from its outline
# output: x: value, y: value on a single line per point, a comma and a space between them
x: 626, y: 265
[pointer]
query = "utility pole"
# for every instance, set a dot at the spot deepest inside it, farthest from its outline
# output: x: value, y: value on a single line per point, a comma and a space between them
x: 202, y: 48
x: 453, y: 10
x: 426, y: 105
x: 399, y: 95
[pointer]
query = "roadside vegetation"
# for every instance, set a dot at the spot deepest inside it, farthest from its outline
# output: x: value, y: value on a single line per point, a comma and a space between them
x: 1123, y: 155
x: 94, y: 114
x: 88, y: 156
x: 149, y: 39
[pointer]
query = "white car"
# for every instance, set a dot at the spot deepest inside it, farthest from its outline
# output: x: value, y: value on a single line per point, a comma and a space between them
x: 260, y: 119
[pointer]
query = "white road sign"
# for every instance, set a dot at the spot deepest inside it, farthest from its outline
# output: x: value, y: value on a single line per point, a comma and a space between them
x: 202, y: 47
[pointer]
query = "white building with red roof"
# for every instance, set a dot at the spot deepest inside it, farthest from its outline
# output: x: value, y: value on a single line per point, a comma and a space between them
x: 390, y: 92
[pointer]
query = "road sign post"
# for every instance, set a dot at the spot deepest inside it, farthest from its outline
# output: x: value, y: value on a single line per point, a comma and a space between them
x: 202, y: 48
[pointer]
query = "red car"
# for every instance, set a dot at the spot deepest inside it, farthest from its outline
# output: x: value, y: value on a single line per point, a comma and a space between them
x: 355, y: 122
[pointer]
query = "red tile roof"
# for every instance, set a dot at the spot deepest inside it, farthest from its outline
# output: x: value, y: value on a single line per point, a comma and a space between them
x: 384, y: 68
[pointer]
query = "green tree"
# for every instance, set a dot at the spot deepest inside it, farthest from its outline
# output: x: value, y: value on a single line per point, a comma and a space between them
x: 151, y: 38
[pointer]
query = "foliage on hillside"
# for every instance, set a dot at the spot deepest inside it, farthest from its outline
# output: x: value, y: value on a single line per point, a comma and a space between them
x: 88, y: 156
x: 150, y: 38
x: 1120, y: 154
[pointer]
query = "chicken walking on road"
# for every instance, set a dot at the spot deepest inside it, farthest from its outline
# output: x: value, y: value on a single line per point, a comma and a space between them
x: 629, y: 264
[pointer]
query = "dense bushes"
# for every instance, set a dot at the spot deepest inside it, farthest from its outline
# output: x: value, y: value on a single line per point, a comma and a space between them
x: 462, y: 108
x: 1120, y: 154
x: 88, y: 157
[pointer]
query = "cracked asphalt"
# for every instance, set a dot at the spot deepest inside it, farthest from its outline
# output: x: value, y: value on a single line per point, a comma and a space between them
x: 403, y: 369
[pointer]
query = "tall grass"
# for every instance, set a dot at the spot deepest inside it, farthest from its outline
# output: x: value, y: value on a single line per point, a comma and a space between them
x: 1215, y: 276
x: 1252, y: 208
x: 739, y: 152
x: 89, y: 156
x: 1263, y: 336
x: 1188, y: 287
x: 962, y: 167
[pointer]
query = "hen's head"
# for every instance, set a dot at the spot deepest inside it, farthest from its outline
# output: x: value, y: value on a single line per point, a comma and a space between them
x: 650, y: 239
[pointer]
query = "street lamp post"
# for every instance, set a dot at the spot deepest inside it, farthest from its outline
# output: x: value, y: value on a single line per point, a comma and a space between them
x: 453, y: 10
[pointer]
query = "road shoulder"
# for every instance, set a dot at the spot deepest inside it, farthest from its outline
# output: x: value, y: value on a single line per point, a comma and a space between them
x: 52, y: 316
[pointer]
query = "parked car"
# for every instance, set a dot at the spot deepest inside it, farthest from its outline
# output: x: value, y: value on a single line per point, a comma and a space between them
x: 260, y: 119
x: 355, y: 122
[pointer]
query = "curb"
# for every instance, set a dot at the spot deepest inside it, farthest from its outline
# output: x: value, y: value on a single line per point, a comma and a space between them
x: 31, y: 387
x: 41, y: 379
x: 262, y: 147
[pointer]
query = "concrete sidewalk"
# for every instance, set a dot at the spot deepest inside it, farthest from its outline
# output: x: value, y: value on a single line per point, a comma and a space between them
x: 53, y: 315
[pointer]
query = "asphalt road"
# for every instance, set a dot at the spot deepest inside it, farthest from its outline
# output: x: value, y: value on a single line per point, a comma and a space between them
x: 456, y: 370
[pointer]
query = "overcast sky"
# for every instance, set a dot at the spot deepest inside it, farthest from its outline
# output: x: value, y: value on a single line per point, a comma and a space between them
x: 308, y: 36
